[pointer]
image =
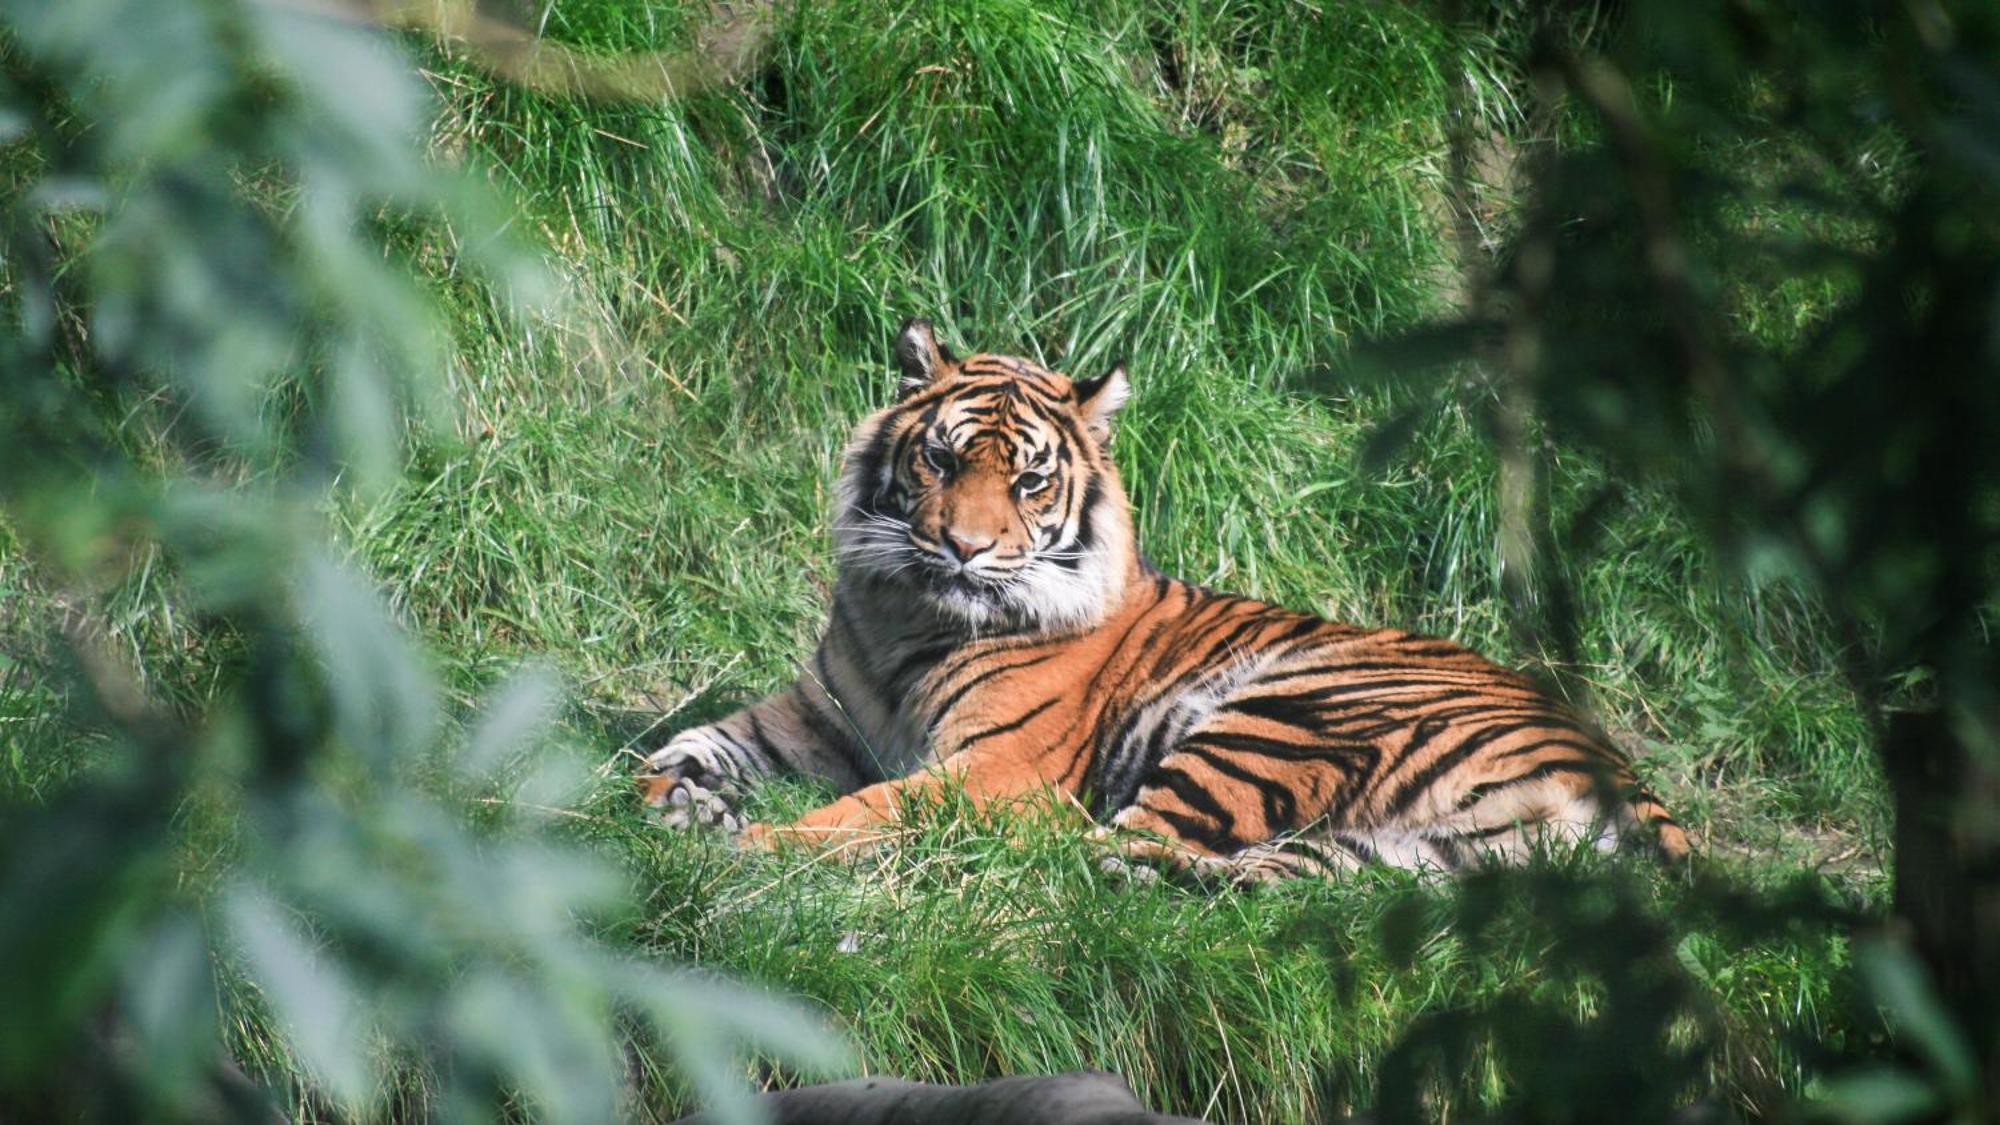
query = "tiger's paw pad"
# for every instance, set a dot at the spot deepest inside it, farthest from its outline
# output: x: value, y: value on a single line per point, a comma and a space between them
x: 683, y: 804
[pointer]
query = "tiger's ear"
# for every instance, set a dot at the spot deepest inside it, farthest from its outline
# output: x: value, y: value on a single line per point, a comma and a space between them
x: 919, y: 356
x: 1099, y: 400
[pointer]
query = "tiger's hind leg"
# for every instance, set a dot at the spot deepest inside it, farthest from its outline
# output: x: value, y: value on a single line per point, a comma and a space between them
x: 1600, y: 817
x: 1326, y: 853
x: 1511, y: 824
x: 1216, y: 814
x: 1211, y: 815
x: 1251, y: 793
x: 1217, y: 807
x: 1145, y: 858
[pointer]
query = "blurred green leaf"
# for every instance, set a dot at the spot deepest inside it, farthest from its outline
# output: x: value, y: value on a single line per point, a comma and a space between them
x: 317, y: 1006
x: 1390, y: 438
x: 209, y: 220
x: 1901, y: 984
x: 709, y: 1021
x: 1880, y: 1096
x: 516, y: 715
x: 78, y: 881
x: 364, y: 419
x: 350, y: 73
x: 381, y: 692
x: 552, y: 1044
x: 1410, y: 357
x: 1404, y: 929
x: 170, y: 999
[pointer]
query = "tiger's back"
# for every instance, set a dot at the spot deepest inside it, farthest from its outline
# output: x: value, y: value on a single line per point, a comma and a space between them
x: 994, y: 625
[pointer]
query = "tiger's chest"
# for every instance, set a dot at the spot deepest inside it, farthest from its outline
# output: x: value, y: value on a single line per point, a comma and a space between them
x: 1008, y: 697
x: 913, y: 692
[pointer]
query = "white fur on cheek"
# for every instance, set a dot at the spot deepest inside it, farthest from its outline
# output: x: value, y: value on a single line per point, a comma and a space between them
x: 1058, y: 597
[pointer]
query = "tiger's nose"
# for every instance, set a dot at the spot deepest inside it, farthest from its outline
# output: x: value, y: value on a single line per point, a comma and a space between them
x: 963, y: 548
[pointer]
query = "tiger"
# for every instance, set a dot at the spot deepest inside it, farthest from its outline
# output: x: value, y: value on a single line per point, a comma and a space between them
x: 995, y: 631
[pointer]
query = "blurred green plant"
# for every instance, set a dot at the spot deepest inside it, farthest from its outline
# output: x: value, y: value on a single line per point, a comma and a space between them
x: 208, y: 214
x: 1619, y: 1019
x: 1713, y: 155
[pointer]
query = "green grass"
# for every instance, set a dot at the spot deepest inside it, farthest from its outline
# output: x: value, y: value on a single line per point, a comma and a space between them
x: 1225, y: 194
x: 1067, y: 183
x: 982, y: 945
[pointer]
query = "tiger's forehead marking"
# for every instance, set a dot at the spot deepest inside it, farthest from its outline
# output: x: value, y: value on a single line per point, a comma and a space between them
x: 1005, y: 410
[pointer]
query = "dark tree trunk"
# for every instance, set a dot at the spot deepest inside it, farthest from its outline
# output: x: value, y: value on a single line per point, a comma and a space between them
x: 1947, y: 851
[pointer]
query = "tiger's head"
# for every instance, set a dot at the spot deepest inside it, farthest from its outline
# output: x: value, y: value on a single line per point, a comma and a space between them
x: 987, y: 490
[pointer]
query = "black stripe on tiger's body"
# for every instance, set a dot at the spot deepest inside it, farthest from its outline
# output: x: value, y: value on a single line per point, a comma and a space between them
x: 993, y: 624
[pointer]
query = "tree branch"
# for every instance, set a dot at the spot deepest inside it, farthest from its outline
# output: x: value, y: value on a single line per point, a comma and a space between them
x: 726, y: 48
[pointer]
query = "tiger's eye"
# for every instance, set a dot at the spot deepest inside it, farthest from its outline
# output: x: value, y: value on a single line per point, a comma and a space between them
x: 1030, y: 482
x: 940, y: 458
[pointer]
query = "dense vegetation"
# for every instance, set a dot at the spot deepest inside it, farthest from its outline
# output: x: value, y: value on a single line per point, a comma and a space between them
x: 624, y: 491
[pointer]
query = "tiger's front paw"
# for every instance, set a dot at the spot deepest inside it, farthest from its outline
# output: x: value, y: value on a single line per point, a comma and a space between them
x: 686, y: 784
x: 685, y: 804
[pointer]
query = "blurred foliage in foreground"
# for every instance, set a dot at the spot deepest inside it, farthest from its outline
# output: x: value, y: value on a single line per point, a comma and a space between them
x: 1858, y: 456
x: 197, y: 201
